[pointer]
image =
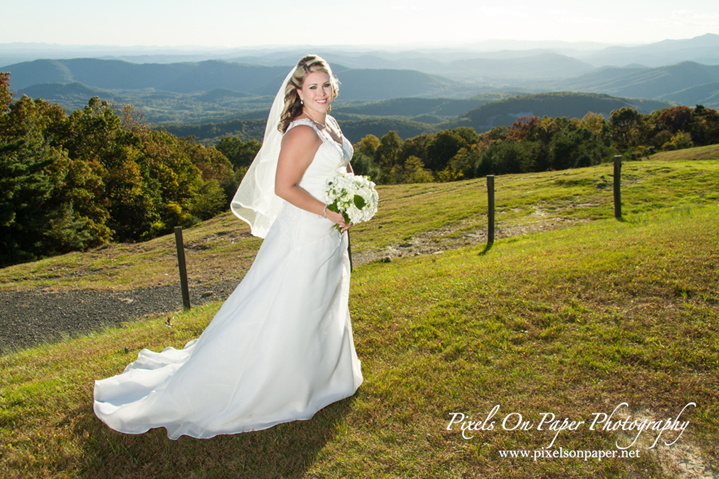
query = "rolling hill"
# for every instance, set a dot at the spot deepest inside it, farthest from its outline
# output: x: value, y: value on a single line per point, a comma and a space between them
x: 412, y: 107
x: 542, y: 65
x: 567, y: 104
x: 397, y: 115
x: 174, y: 77
x: 254, y: 129
x: 702, y: 49
x: 666, y: 83
x: 372, y: 84
x: 357, y: 84
x: 491, y: 59
x: 230, y: 97
x: 72, y: 90
x: 707, y: 95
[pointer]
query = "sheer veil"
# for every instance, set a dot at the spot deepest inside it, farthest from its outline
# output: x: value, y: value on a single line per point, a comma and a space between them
x: 255, y: 201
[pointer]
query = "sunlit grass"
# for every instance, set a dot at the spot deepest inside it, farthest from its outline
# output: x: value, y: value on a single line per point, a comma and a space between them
x: 223, y: 249
x: 571, y: 322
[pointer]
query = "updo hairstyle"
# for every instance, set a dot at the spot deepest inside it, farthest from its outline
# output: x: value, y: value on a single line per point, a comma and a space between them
x: 293, y: 105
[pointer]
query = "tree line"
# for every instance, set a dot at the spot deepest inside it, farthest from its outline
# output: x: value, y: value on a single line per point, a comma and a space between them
x: 101, y: 174
x: 533, y: 144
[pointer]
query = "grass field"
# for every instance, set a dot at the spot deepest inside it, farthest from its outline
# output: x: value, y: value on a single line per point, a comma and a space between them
x: 571, y: 322
x: 431, y: 216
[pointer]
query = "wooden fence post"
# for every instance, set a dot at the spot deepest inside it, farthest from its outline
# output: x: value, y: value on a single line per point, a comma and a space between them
x: 490, y: 210
x: 618, y: 187
x: 183, y: 268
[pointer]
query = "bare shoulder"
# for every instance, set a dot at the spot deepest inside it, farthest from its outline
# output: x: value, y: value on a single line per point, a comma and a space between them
x: 299, y: 146
x: 301, y: 136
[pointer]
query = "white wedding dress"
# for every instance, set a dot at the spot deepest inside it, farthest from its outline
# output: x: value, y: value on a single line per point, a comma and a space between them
x: 279, y: 349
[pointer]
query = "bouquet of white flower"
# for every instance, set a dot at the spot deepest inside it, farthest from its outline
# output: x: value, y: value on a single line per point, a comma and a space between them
x: 352, y: 196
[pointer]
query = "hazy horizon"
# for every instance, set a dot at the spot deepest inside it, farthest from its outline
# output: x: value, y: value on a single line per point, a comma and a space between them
x: 386, y: 24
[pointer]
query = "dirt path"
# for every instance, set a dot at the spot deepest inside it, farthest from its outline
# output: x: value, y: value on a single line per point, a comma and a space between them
x: 28, y: 318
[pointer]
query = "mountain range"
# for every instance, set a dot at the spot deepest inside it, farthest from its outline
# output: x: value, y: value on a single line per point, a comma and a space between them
x: 702, y: 49
x: 686, y: 83
x: 412, y: 91
x: 258, y: 80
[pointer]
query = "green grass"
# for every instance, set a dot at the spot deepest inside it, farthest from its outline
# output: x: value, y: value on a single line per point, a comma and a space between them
x: 222, y: 248
x: 570, y: 322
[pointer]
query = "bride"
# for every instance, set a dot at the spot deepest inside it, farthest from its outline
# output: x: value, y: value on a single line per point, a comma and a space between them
x: 280, y: 348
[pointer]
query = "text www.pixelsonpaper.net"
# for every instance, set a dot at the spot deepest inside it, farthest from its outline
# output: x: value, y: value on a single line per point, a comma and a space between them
x: 561, y: 453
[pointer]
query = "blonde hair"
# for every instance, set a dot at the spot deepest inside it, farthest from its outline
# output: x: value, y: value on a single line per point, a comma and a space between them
x: 293, y: 105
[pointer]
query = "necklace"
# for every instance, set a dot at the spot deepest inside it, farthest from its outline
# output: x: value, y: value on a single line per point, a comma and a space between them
x: 324, y: 125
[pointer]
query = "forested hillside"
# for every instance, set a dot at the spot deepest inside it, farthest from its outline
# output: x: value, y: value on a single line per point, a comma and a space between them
x: 569, y: 104
x: 666, y: 83
x: 411, y: 107
x: 534, y: 144
x: 403, y: 115
x: 70, y: 182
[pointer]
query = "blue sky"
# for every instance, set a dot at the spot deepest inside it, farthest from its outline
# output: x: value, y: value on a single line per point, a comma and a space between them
x: 240, y: 23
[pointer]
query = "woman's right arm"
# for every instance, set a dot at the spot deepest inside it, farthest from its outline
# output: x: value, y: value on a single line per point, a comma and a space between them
x: 299, y: 146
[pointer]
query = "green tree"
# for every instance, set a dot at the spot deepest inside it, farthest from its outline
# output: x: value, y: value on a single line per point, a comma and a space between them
x: 449, y: 174
x: 412, y: 171
x: 52, y: 196
x: 34, y: 219
x: 239, y: 153
x: 368, y: 146
x: 5, y: 95
x: 679, y: 141
x: 510, y: 156
x: 705, y: 126
x: 444, y: 146
x: 209, y: 201
x: 625, y: 127
x: 574, y: 148
x: 465, y: 161
x: 388, y: 150
x: 365, y: 165
x: 595, y: 123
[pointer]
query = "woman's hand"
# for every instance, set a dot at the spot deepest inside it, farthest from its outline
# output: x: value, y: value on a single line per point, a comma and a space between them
x: 337, y: 218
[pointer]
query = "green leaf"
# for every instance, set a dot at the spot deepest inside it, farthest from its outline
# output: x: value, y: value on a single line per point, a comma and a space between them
x: 359, y: 202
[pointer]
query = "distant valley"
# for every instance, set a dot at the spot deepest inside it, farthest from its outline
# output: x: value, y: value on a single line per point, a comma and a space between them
x: 400, y: 115
x: 413, y: 92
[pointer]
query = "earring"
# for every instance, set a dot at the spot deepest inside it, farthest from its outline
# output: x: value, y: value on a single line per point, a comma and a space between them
x: 302, y: 102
